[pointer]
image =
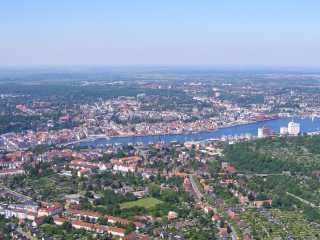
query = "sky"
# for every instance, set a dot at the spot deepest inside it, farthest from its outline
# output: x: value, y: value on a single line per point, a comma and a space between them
x: 160, y: 32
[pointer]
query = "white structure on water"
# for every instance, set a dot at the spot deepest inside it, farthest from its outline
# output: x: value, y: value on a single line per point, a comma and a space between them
x: 293, y: 128
x: 283, y: 131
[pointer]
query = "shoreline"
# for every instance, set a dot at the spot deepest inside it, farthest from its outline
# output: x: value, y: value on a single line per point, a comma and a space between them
x: 230, y: 125
x: 231, y: 130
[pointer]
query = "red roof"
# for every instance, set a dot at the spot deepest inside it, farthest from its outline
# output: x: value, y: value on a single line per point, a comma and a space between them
x: 82, y: 224
x: 136, y: 236
x: 117, y: 219
x: 59, y: 219
x: 116, y: 230
x: 84, y: 213
x: 230, y: 169
x: 216, y: 217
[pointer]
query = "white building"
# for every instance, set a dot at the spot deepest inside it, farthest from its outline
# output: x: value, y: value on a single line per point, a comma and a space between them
x: 264, y: 132
x: 293, y: 128
x: 260, y: 133
x: 283, y: 131
x: 123, y: 168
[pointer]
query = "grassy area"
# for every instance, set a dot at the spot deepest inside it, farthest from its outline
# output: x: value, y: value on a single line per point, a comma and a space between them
x: 295, y: 154
x: 262, y: 228
x: 51, y: 188
x: 286, y: 223
x: 297, y: 225
x: 147, y: 203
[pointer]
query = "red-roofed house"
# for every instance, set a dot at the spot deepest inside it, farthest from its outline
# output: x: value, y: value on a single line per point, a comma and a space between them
x: 59, y: 221
x: 136, y: 236
x: 50, y: 210
x: 79, y: 214
x: 114, y: 220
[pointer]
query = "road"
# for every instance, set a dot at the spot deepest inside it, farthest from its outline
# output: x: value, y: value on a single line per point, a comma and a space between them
x: 16, y: 194
x: 195, y: 188
x: 23, y: 233
x: 302, y: 200
x: 259, y: 174
x: 200, y: 196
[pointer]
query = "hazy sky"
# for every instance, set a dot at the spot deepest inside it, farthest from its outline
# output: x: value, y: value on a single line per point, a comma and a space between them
x: 211, y: 32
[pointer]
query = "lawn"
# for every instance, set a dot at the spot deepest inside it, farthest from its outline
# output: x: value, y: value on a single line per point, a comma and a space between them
x: 51, y: 188
x: 147, y: 203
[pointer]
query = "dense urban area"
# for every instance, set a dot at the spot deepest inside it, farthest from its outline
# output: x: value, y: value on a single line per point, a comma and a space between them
x: 56, y: 183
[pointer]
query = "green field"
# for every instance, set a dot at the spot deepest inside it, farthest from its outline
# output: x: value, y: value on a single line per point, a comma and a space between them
x: 147, y: 203
x: 286, y: 223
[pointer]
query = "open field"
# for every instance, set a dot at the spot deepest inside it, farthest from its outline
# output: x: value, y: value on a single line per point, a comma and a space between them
x: 52, y: 187
x: 147, y: 203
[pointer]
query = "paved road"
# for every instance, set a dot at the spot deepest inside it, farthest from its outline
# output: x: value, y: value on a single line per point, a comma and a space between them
x: 16, y: 194
x: 260, y: 174
x: 23, y: 233
x: 195, y: 188
x: 302, y: 200
x: 199, y: 196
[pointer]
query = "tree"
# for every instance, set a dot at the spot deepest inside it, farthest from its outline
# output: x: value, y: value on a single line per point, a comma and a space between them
x: 170, y: 196
x: 48, y: 220
x: 130, y: 227
x: 67, y: 226
x: 214, y: 167
x: 102, y: 221
x: 154, y: 190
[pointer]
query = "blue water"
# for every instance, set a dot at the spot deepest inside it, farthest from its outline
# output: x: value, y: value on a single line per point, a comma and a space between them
x: 306, y: 125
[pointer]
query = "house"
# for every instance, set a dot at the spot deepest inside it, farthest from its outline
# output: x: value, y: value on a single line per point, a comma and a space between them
x: 140, y: 194
x: 126, y: 164
x: 84, y: 172
x: 216, y: 218
x: 90, y: 226
x: 89, y: 216
x: 204, y: 206
x: 114, y: 220
x: 20, y: 214
x: 38, y: 221
x: 227, y: 181
x: 115, y: 231
x: 105, y: 166
x: 243, y: 199
x: 260, y: 203
x: 67, y: 153
x: 232, y: 214
x: 123, y: 168
x: 73, y: 199
x: 147, y: 172
x: 79, y: 164
x: 172, y: 215
x: 126, y: 160
x: 11, y: 172
x: 229, y: 169
x: 247, y: 236
x: 59, y: 221
x: 207, y: 209
x: 50, y: 209
x: 136, y: 236
x: 25, y: 211
x: 223, y: 232
x: 77, y: 224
